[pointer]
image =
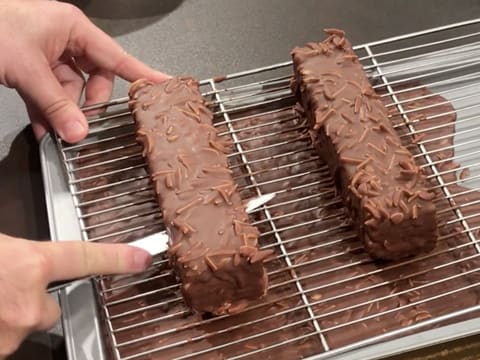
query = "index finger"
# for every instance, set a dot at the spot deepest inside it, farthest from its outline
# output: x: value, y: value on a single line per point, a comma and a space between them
x: 89, y: 41
x: 76, y: 259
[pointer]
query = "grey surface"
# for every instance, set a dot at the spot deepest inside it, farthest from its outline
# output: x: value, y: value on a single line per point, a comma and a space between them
x: 202, y: 38
x: 80, y: 321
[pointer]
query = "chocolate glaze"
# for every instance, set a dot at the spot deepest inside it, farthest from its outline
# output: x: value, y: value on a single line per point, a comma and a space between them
x: 327, y: 256
x: 213, y: 247
x: 382, y: 187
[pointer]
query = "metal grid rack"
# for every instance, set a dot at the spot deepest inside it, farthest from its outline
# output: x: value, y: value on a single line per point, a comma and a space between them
x: 325, y: 295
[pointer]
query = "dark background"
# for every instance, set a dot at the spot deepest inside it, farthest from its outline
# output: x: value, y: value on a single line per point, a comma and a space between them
x: 202, y: 38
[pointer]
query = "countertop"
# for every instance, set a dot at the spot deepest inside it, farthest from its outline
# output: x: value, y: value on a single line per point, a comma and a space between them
x: 204, y: 38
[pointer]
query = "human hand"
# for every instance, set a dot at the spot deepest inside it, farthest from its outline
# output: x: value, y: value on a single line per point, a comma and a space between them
x: 27, y: 267
x: 44, y: 47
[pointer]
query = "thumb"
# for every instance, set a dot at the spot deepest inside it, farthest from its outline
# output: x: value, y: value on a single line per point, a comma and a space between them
x: 39, y: 85
x: 76, y: 259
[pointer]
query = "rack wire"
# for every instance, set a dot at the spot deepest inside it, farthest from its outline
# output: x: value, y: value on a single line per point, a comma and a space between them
x: 326, y: 296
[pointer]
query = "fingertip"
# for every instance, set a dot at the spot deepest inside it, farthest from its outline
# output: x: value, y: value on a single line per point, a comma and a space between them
x: 141, y: 259
x: 160, y: 77
x: 73, y: 129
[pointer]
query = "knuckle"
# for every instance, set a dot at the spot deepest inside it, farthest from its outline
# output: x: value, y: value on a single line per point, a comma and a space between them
x: 41, y: 264
x: 10, y: 80
x: 121, y: 62
x: 118, y: 259
x: 72, y: 11
x: 31, y: 317
x: 57, y: 107
x: 88, y: 258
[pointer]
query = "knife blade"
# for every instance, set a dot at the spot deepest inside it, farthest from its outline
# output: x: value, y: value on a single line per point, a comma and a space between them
x: 157, y: 243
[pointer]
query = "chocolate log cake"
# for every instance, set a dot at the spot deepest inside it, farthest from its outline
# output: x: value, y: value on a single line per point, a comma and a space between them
x: 213, y: 248
x: 384, y: 191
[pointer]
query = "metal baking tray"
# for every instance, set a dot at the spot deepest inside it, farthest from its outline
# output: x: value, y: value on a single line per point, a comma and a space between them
x: 445, y: 59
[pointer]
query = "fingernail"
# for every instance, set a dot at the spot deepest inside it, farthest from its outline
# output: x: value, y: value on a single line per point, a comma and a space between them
x: 161, y: 76
x: 72, y: 131
x: 141, y: 259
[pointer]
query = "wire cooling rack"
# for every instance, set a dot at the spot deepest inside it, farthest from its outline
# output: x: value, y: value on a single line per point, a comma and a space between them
x: 326, y: 296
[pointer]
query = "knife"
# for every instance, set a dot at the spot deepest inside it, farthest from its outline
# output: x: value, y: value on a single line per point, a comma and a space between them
x: 157, y: 243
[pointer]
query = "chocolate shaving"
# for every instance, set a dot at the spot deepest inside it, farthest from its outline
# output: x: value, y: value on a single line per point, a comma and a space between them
x: 391, y: 141
x: 426, y: 195
x: 189, y: 205
x: 334, y: 31
x: 350, y: 160
x: 372, y: 210
x: 183, y: 161
x: 169, y: 181
x: 346, y: 117
x: 193, y: 256
x: 159, y: 173
x: 350, y: 57
x: 210, y: 263
x: 397, y: 218
x: 376, y: 148
x: 173, y: 249
x: 363, y: 136
x: 217, y: 146
x: 415, y: 211
x: 383, y: 212
x: 408, y: 174
x: 320, y: 120
x: 402, y: 151
x: 178, y: 178
x: 396, y: 197
x: 248, y: 251
x: 405, y: 165
x: 390, y: 164
x: 236, y: 259
x: 354, y: 83
x: 339, y: 42
x: 191, y: 115
x: 419, y: 138
x: 364, y: 163
x: 358, y: 104
x: 403, y: 206
x: 464, y: 174
x: 261, y: 255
